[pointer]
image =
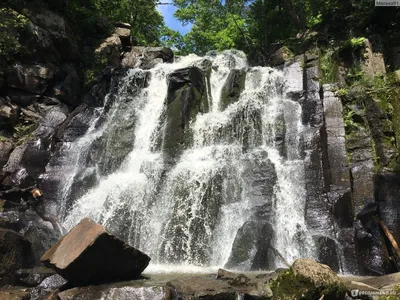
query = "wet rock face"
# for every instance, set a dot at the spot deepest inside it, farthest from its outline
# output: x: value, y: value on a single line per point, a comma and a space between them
x: 372, y: 251
x: 251, y: 248
x: 79, y: 256
x: 327, y: 252
x: 186, y: 97
x: 234, y: 85
x: 388, y: 194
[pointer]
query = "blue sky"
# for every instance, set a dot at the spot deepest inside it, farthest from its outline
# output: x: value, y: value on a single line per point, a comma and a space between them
x: 168, y: 12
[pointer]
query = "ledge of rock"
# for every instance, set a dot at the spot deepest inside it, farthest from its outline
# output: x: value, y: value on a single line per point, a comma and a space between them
x: 88, y: 254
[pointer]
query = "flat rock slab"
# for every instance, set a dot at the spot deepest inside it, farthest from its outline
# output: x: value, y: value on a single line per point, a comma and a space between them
x: 381, y: 282
x: 117, y: 292
x: 203, y: 288
x: 22, y: 294
x: 88, y: 254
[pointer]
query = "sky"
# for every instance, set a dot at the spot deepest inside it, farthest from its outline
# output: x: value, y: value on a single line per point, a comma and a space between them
x: 168, y: 12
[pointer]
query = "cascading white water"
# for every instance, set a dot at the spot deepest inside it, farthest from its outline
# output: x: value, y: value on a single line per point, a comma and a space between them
x: 190, y: 213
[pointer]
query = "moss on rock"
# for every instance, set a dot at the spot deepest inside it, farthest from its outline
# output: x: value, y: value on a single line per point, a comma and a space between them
x: 307, y: 279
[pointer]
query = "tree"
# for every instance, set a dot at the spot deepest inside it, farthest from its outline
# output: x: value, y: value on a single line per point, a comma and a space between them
x: 216, y: 24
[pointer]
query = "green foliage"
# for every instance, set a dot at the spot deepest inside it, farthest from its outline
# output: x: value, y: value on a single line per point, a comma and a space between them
x: 23, y: 132
x: 216, y: 26
x: 94, y: 16
x: 328, y: 67
x: 396, y: 295
x: 12, y: 25
x: 350, y: 124
x: 342, y: 92
x: 171, y: 38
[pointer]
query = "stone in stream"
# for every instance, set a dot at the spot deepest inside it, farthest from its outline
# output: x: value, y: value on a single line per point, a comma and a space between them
x: 88, y: 254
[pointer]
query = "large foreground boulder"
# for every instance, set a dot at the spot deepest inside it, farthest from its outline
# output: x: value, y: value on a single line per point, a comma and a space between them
x: 307, y: 279
x: 88, y: 254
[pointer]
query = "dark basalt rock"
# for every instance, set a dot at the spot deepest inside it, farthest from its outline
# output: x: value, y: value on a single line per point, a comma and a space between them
x: 98, y: 89
x: 68, y: 88
x: 80, y: 256
x: 373, y: 253
x: 327, y: 252
x: 16, y: 253
x: 50, y: 123
x: 233, y: 87
x: 251, y: 248
x: 13, y: 220
x: 387, y: 193
x: 77, y: 123
x: 185, y: 99
x: 33, y: 277
x: 41, y: 238
x: 31, y: 78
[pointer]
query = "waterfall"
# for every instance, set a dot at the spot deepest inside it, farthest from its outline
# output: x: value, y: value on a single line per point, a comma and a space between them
x: 238, y: 182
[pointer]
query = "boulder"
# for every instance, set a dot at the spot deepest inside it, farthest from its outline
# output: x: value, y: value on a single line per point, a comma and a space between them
x: 110, y: 50
x: 225, y: 275
x: 6, y: 148
x: 124, y: 35
x: 233, y: 279
x: 307, y: 279
x: 22, y: 98
x: 55, y: 28
x: 89, y: 254
x: 50, y: 123
x: 280, y: 56
x: 77, y: 123
x: 146, y: 57
x: 31, y: 78
x: 261, y: 291
x: 316, y: 273
x: 41, y: 238
x: 15, y: 252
